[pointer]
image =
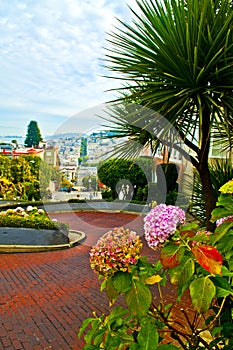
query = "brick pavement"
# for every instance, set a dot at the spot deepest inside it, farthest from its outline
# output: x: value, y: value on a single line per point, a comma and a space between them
x: 44, y: 297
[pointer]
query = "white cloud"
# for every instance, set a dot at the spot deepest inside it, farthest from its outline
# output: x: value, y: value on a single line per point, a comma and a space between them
x: 50, y: 58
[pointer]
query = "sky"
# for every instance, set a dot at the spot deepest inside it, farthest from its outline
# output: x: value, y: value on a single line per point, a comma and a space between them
x: 50, y: 62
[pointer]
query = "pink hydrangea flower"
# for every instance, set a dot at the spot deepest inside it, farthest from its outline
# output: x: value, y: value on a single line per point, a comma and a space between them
x: 161, y: 223
x: 227, y: 218
x: 116, y: 250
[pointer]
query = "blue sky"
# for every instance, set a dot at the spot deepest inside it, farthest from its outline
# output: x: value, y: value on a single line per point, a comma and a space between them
x: 50, y: 65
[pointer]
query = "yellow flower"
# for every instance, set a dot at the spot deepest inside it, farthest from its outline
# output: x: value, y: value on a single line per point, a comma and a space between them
x: 227, y: 187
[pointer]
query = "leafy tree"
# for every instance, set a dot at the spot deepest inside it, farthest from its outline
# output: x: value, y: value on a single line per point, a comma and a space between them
x: 112, y: 171
x: 33, y: 136
x: 65, y: 183
x: 20, y: 170
x: 5, y: 169
x: 7, y: 188
x: 177, y: 59
x: 83, y: 148
x: 28, y: 176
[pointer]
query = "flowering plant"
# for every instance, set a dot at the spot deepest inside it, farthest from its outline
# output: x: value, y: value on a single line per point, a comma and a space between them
x: 31, y: 217
x: 161, y: 223
x: 115, y: 251
x: 191, y: 259
x: 227, y: 188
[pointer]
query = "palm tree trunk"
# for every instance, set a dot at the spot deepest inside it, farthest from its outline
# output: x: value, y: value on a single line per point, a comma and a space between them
x: 208, y: 194
x: 203, y: 167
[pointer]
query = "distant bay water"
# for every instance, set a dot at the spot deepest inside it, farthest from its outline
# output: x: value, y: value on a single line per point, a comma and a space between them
x: 19, y: 139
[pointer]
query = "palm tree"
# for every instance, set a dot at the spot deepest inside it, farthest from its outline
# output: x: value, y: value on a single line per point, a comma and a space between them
x: 176, y: 58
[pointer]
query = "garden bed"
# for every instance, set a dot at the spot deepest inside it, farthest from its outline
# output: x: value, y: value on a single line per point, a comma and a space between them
x: 31, y: 229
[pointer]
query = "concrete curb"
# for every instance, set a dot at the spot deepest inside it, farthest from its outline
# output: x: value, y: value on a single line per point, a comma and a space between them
x: 75, y: 237
x: 97, y: 206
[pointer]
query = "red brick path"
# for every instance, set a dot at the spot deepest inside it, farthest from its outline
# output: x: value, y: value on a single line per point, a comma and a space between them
x: 44, y: 297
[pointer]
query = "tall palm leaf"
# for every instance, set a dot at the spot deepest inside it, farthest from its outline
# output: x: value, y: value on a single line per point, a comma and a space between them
x: 177, y: 59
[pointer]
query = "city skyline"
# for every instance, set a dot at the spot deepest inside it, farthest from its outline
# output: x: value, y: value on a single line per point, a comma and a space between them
x: 51, y: 61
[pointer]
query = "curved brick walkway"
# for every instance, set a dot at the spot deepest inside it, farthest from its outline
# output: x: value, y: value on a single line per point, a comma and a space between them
x: 44, y: 297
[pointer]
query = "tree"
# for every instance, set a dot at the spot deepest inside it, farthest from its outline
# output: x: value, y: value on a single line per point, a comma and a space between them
x: 7, y: 188
x: 114, y: 172
x: 33, y: 136
x: 83, y: 147
x: 177, y: 60
x: 5, y: 167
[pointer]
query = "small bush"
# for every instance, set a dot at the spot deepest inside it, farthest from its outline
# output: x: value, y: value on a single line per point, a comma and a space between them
x: 32, y: 217
x: 76, y: 200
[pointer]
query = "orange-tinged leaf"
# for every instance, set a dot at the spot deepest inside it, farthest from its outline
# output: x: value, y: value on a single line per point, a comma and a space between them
x: 171, y: 255
x: 209, y: 258
x: 153, y: 279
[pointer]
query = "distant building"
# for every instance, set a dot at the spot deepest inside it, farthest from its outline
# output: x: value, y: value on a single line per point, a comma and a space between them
x: 51, y: 155
x: 70, y: 172
x: 6, y: 149
x: 48, y: 154
x: 28, y: 152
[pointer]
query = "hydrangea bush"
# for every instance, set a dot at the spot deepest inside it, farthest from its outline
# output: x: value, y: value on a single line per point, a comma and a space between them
x: 193, y: 260
x: 116, y: 250
x: 31, y: 217
x: 161, y: 223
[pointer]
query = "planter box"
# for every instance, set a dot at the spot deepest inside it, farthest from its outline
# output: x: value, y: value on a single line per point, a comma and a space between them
x: 28, y: 236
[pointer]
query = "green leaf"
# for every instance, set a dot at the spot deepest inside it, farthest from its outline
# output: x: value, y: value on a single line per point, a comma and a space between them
x: 95, y: 324
x: 116, y: 313
x: 98, y: 338
x: 90, y: 347
x: 103, y: 285
x: 182, y: 273
x: 148, y: 337
x: 112, y: 342
x: 189, y: 227
x: 225, y: 201
x: 186, y: 271
x: 128, y: 338
x: 202, y: 291
x: 122, y: 281
x: 111, y: 291
x: 167, y: 347
x: 230, y: 263
x: 220, y: 231
x: 201, y: 237
x: 85, y: 324
x: 138, y: 298
x: 223, y: 288
x: 226, y: 272
x: 219, y: 213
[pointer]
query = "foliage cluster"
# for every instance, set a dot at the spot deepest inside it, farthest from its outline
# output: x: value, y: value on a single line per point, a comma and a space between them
x: 31, y: 217
x: 221, y: 170
x: 26, y: 177
x: 138, y: 172
x: 33, y: 137
x: 176, y: 57
x: 198, y: 261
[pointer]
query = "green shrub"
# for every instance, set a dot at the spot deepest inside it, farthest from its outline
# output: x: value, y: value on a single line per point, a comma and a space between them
x: 76, y: 200
x: 32, y: 217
